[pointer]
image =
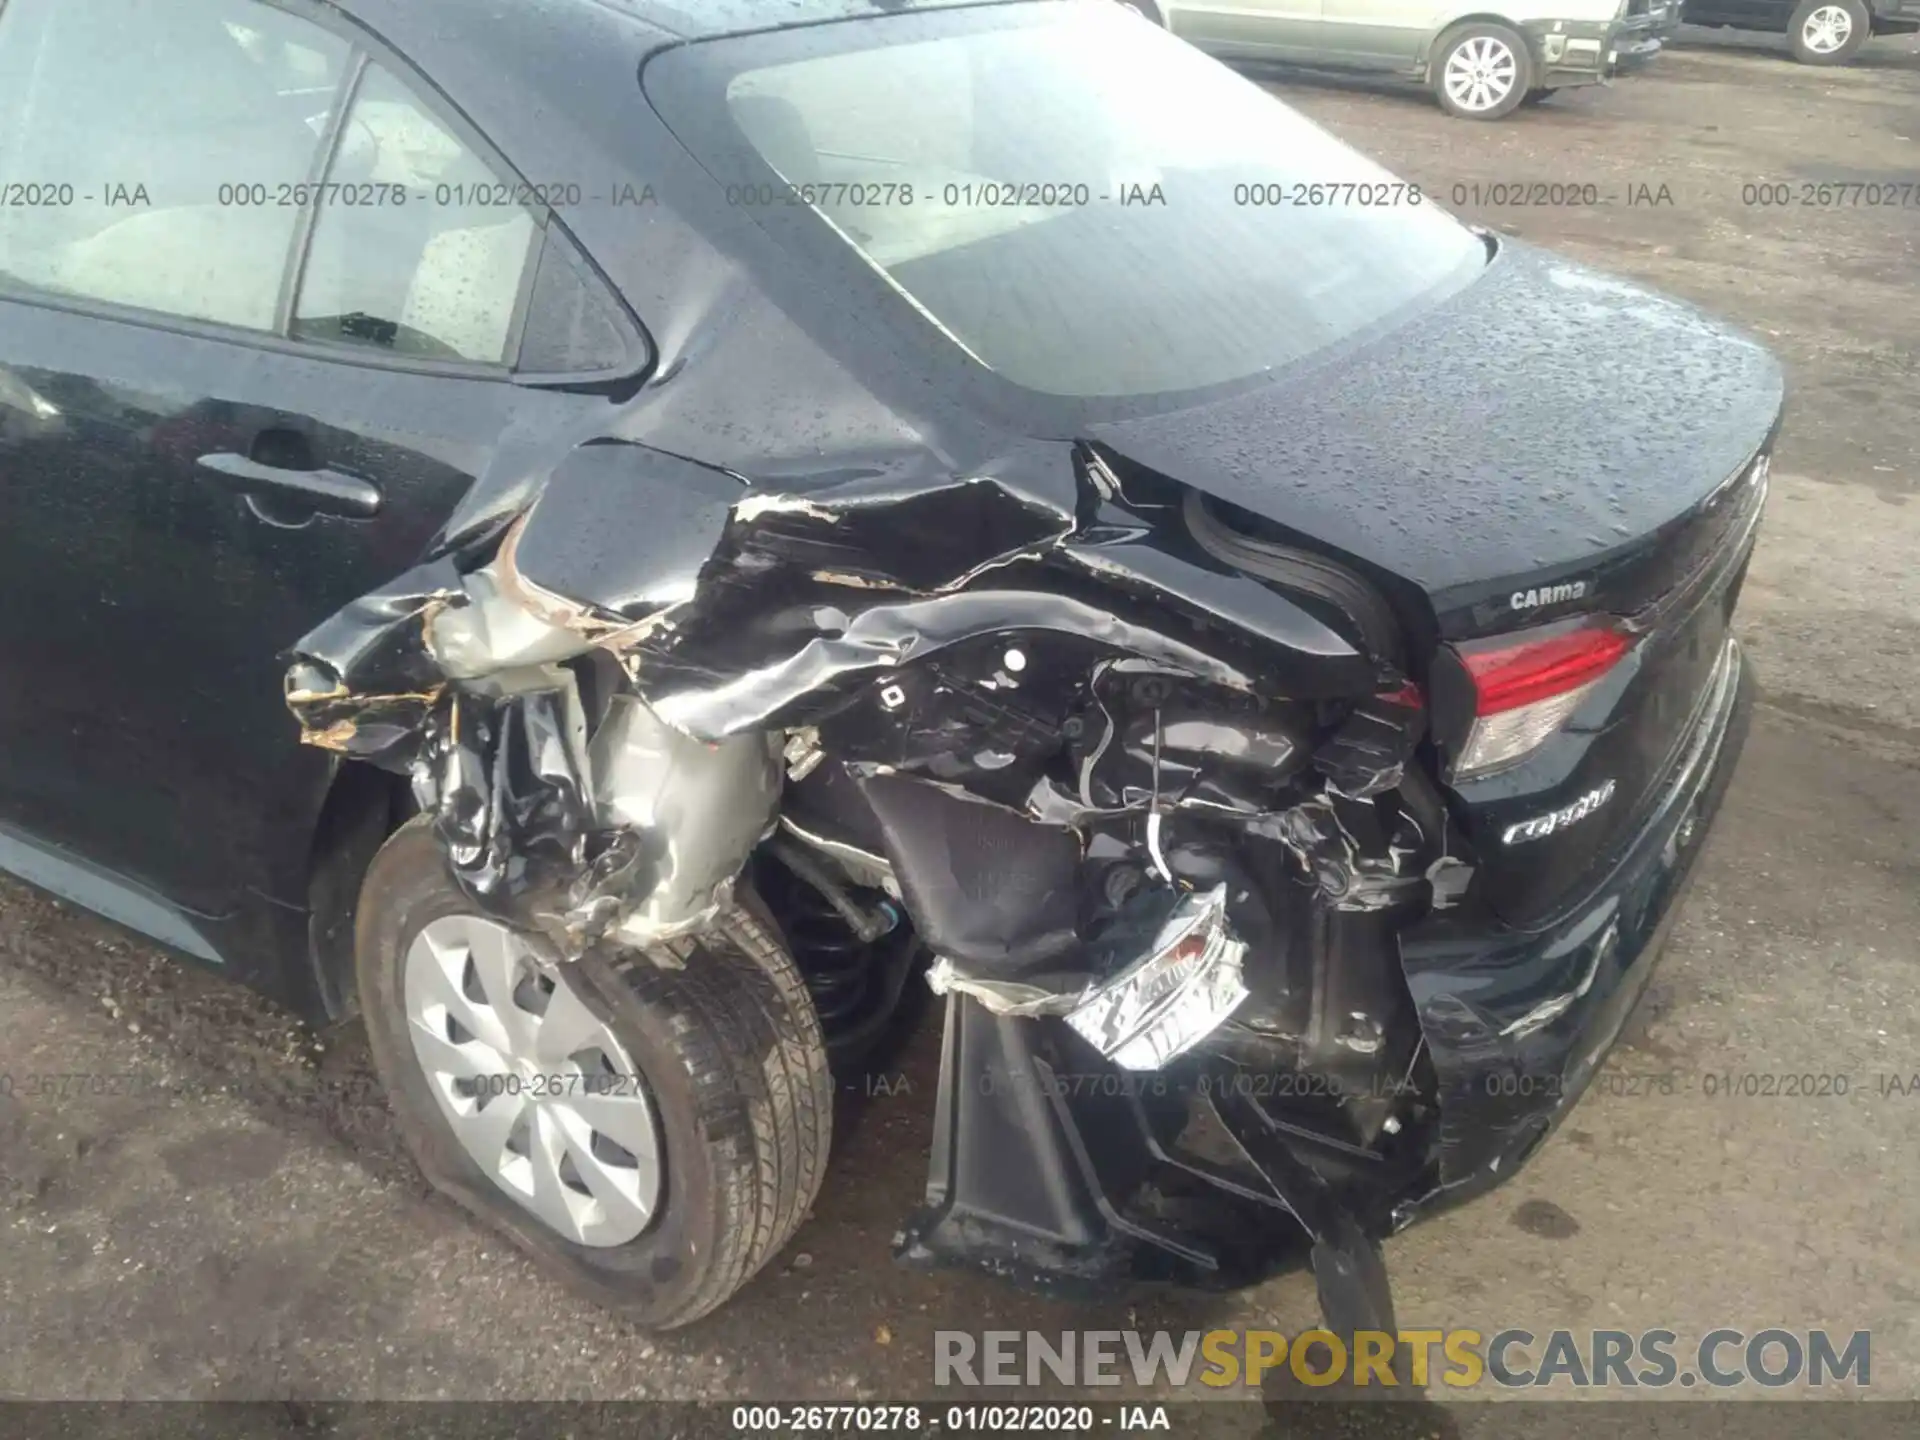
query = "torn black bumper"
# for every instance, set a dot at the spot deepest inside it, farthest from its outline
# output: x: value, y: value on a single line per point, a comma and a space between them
x: 1516, y: 1023
x: 1056, y: 1171
x: 1572, y: 52
x: 1643, y: 35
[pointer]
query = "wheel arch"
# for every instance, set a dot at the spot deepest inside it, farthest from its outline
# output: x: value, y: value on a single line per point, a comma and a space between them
x: 363, y: 806
x: 1479, y: 17
x: 1864, y: 24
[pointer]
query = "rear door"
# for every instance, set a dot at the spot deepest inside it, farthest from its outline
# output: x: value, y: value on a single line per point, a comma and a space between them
x: 256, y: 340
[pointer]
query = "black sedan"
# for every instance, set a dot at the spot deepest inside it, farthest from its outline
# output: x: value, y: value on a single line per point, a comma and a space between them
x: 758, y: 511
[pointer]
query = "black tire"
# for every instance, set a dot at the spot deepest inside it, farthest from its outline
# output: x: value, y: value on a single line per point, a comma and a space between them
x: 1539, y: 94
x: 1457, y: 40
x: 729, y: 1046
x: 1856, y: 13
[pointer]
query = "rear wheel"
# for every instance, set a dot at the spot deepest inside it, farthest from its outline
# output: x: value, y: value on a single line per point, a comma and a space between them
x: 1481, y: 71
x: 1828, y: 32
x: 653, y: 1135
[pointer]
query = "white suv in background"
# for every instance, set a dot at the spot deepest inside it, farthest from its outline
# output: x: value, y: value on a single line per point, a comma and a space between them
x: 1482, y: 61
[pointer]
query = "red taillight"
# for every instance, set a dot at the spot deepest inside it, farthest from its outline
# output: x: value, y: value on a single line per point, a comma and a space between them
x: 1526, y: 686
x: 1525, y: 671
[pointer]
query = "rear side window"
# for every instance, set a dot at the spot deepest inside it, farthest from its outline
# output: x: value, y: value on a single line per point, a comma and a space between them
x: 417, y: 247
x: 128, y: 128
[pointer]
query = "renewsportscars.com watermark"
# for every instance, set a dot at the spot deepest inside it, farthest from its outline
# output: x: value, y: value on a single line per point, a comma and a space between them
x: 1513, y: 1359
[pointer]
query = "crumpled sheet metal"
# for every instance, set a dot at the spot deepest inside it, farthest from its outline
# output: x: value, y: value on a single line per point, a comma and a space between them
x: 808, y: 598
x: 733, y: 611
x: 848, y: 648
x: 364, y: 683
x: 639, y: 830
x: 700, y: 808
x: 733, y: 608
x: 1168, y: 996
x: 506, y: 779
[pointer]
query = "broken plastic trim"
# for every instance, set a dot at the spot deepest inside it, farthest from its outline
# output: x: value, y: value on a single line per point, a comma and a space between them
x: 1179, y: 990
x: 487, y: 673
x: 1175, y: 995
x: 579, y: 832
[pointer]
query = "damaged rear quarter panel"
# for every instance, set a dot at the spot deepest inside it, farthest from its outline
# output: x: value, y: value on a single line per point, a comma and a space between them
x: 799, y: 503
x: 737, y: 611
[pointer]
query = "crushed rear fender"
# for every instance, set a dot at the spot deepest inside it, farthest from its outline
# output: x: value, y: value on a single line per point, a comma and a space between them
x: 733, y: 614
x: 611, y: 694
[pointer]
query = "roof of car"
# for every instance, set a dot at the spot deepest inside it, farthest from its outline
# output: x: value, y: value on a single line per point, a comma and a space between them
x: 703, y: 19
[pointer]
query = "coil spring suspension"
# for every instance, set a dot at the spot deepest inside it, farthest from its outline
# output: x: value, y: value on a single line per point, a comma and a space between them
x: 854, y: 982
x: 838, y: 966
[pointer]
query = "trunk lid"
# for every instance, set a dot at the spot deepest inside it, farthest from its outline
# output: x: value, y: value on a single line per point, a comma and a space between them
x: 1547, y: 445
x: 1538, y: 429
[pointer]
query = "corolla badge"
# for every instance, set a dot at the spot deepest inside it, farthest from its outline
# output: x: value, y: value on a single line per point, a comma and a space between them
x: 1554, y: 821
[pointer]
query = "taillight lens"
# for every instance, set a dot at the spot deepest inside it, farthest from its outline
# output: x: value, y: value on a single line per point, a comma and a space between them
x: 1526, y: 685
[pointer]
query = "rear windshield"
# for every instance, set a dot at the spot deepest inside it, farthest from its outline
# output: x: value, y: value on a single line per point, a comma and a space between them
x: 1085, y: 205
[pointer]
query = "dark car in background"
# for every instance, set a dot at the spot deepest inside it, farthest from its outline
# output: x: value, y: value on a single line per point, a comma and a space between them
x: 1646, y: 29
x: 606, y: 541
x: 1821, y: 32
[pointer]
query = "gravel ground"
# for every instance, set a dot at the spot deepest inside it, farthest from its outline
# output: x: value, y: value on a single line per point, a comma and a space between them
x: 235, y: 1219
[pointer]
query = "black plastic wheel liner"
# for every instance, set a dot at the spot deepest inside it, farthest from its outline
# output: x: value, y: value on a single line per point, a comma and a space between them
x: 988, y: 888
x: 1030, y: 1176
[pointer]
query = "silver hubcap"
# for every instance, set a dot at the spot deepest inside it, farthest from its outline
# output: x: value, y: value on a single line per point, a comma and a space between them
x: 1827, y: 29
x: 1480, y: 73
x: 537, y: 1089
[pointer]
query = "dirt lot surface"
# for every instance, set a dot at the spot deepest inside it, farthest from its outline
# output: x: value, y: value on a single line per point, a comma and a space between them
x: 238, y: 1221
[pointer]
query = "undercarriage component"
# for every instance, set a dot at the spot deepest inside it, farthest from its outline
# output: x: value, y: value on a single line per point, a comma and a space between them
x: 1013, y: 1186
x: 1348, y: 1269
x: 1070, y: 1178
x: 856, y: 950
x: 866, y: 923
